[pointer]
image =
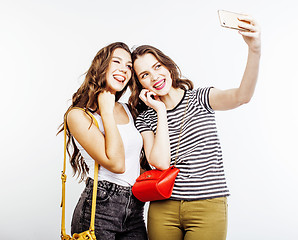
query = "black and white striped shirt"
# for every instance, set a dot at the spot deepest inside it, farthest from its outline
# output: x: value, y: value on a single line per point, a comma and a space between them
x: 199, y: 158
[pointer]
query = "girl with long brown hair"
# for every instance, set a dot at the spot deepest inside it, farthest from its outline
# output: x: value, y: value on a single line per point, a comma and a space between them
x: 115, y: 146
x: 167, y: 105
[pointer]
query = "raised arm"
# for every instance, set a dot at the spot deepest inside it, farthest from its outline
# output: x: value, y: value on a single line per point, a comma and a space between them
x: 157, y: 147
x: 107, y: 150
x: 232, y: 98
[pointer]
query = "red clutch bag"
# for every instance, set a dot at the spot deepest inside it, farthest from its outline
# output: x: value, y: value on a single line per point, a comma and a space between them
x: 155, y: 184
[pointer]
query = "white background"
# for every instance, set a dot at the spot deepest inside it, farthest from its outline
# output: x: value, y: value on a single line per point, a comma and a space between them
x: 46, y: 46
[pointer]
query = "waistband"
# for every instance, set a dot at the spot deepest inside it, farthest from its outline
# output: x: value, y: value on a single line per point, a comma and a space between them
x: 107, y: 185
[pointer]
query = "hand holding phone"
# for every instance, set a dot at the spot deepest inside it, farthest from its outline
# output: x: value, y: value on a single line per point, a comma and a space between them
x: 231, y: 20
x: 247, y: 26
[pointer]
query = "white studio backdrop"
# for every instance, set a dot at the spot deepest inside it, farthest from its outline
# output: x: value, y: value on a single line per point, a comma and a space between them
x: 46, y: 46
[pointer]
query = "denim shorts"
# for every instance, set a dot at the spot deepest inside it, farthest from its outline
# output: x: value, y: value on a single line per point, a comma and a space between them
x: 119, y: 215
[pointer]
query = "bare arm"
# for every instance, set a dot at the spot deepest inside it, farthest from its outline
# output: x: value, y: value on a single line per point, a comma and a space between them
x: 108, y: 150
x: 232, y: 98
x: 157, y: 147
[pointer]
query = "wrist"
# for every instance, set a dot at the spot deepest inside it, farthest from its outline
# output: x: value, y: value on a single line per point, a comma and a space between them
x: 161, y: 111
x: 255, y: 51
x: 106, y: 114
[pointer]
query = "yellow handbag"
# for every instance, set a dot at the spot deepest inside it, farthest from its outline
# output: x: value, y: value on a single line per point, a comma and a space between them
x: 89, y: 234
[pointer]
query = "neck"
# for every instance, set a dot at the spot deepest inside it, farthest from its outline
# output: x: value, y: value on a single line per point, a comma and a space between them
x: 172, y: 98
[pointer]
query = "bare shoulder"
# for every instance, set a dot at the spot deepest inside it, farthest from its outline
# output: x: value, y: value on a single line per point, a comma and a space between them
x: 77, y: 117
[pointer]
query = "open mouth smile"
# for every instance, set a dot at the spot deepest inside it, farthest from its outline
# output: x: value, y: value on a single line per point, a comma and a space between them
x: 119, y: 78
x: 160, y: 84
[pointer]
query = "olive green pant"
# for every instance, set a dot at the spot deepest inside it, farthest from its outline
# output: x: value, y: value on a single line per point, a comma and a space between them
x: 188, y: 220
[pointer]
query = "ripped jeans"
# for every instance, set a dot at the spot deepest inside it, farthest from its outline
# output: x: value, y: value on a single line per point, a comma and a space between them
x: 119, y: 215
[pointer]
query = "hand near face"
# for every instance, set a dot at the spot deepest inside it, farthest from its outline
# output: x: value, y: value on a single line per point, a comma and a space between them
x: 152, y: 100
x: 106, y: 102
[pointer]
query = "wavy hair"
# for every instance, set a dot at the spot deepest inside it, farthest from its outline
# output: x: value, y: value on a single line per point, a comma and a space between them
x: 136, y: 105
x: 86, y: 98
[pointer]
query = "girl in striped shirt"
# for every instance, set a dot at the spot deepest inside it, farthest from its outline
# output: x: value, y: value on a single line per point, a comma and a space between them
x: 169, y: 106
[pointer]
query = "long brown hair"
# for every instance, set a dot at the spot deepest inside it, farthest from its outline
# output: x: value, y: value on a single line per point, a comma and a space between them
x: 86, y: 97
x: 178, y: 81
x: 136, y: 105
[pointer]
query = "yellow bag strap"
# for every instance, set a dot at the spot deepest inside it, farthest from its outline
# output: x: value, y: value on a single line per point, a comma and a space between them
x: 63, y: 177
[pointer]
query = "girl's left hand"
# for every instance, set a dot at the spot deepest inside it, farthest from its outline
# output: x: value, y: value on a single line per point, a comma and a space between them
x: 253, y: 36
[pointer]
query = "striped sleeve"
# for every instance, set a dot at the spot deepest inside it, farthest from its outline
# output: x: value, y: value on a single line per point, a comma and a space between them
x: 143, y: 123
x: 203, y: 98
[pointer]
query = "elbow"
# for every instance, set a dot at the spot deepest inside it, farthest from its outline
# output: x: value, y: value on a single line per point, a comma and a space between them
x: 161, y: 166
x: 160, y: 160
x: 114, y: 165
x: 118, y: 168
x: 117, y: 163
x: 244, y: 100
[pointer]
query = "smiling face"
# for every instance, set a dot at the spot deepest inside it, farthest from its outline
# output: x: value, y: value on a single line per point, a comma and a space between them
x: 152, y: 74
x: 119, y: 71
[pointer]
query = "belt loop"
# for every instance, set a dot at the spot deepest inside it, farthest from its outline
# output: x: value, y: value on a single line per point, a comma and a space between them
x: 88, y: 180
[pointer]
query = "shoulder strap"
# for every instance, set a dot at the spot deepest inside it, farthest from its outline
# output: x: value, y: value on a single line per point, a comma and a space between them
x: 63, y: 177
x: 128, y: 113
x: 181, y: 126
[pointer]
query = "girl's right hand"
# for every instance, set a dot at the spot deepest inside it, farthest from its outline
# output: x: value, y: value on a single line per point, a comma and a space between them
x: 106, y: 102
x: 152, y: 100
x: 253, y: 36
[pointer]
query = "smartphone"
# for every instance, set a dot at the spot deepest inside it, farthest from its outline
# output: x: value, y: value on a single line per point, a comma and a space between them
x: 230, y: 20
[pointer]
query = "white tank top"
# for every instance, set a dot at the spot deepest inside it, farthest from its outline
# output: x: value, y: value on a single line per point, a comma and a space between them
x: 133, y: 143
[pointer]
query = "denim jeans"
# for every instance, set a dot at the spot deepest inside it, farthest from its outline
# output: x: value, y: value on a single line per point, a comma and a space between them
x: 119, y: 215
